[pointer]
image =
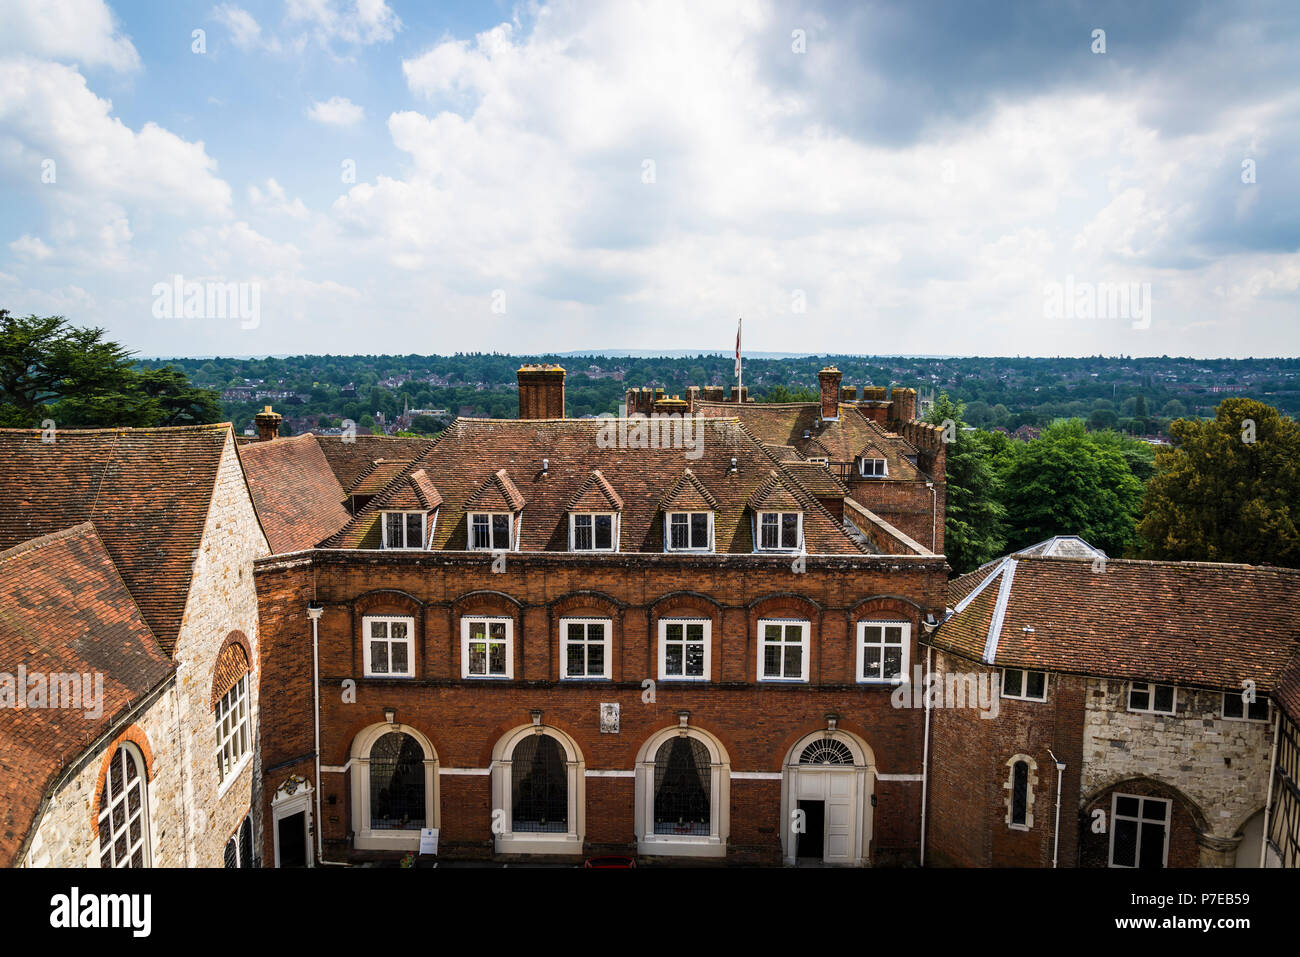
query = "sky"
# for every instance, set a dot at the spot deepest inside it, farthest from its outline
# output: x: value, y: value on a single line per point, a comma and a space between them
x: 362, y: 176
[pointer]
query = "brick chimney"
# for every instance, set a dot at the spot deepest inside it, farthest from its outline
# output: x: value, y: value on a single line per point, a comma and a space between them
x: 829, y: 380
x: 268, y: 424
x: 541, y: 392
x: 904, y: 402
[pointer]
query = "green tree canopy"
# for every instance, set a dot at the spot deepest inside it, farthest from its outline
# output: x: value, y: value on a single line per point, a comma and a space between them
x: 973, y: 529
x: 1228, y: 490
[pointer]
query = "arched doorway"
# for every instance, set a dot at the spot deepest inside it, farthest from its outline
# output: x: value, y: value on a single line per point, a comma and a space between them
x: 828, y: 781
x: 394, y: 787
x: 538, y: 794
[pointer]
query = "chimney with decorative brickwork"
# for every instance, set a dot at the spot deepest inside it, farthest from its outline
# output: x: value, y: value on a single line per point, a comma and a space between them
x: 268, y: 424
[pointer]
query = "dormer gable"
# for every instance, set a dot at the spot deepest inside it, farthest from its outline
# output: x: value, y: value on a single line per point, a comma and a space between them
x: 688, y: 494
x: 497, y: 494
x: 596, y: 495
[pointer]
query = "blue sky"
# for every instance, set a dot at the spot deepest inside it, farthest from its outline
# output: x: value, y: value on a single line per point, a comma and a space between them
x: 850, y: 177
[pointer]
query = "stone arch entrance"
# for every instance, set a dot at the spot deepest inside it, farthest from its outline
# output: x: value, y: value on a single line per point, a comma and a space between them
x: 827, y: 782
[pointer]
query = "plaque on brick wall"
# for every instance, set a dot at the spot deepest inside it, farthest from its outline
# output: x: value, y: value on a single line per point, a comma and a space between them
x: 609, y: 717
x: 428, y: 840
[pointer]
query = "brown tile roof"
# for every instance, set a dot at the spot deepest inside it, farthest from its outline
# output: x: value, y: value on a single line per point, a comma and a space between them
x: 349, y: 459
x: 1182, y: 623
x: 473, y: 454
x: 146, y: 490
x: 1287, y: 693
x: 64, y: 610
x: 297, y: 497
x: 496, y: 494
x: 596, y: 495
x: 817, y: 478
x: 378, y: 476
x: 842, y: 440
x: 772, y: 495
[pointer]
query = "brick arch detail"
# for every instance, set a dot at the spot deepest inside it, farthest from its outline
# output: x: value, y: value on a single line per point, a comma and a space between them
x: 135, y: 735
x: 386, y: 601
x: 227, y: 669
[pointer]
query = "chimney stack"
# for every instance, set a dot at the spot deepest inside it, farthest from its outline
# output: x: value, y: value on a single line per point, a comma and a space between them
x: 268, y: 424
x: 541, y: 392
x: 829, y: 380
x: 904, y: 404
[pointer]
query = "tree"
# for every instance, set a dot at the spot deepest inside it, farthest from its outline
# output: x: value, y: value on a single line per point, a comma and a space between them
x: 1064, y: 483
x: 1228, y: 490
x: 973, y: 527
x: 50, y: 369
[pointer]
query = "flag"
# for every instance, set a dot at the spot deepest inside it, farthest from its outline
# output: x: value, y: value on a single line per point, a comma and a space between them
x: 738, y: 321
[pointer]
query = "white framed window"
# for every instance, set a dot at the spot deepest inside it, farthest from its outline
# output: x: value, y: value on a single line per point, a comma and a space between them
x: 1237, y: 708
x: 883, y: 651
x: 783, y: 649
x: 394, y: 787
x: 684, y: 652
x: 688, y: 531
x: 124, y: 811
x: 1151, y: 698
x: 491, y: 531
x: 487, y: 648
x: 683, y: 794
x: 1139, y: 830
x: 390, y: 646
x: 873, y: 468
x: 780, y: 531
x: 233, y: 739
x: 404, y: 530
x: 537, y: 779
x: 593, y: 532
x: 585, y: 647
x: 1024, y: 685
x: 239, y: 846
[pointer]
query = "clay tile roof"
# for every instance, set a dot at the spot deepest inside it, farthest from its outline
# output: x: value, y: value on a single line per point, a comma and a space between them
x: 496, y: 494
x: 772, y: 495
x: 817, y: 479
x: 297, y: 497
x: 687, y: 494
x: 350, y: 457
x: 596, y: 495
x: 786, y: 453
x: 64, y: 610
x: 471, y: 454
x: 147, y: 491
x: 1190, y: 623
x: 1287, y: 693
x: 377, y: 476
x: 415, y: 492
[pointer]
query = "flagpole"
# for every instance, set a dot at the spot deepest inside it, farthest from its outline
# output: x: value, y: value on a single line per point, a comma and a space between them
x: 740, y: 372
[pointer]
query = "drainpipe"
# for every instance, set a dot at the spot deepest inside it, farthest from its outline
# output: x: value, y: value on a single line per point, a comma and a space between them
x: 934, y: 515
x: 314, y: 611
x: 1056, y: 835
x: 1268, y: 803
x: 925, y: 754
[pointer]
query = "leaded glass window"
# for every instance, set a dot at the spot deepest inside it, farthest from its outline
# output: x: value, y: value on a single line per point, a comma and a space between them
x: 397, y: 783
x: 682, y: 787
x: 539, y: 797
x: 826, y: 751
x: 123, y: 826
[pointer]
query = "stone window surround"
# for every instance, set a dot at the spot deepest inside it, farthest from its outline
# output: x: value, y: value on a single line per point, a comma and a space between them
x: 1009, y: 786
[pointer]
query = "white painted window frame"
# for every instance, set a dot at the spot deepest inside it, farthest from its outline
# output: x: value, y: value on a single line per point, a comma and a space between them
x: 489, y: 620
x: 1151, y: 709
x: 1245, y: 708
x: 614, y: 530
x: 664, y: 623
x: 805, y: 627
x: 511, y: 533
x: 1137, y: 850
x: 862, y: 467
x: 862, y: 627
x: 781, y: 548
x: 106, y: 813
x: 235, y: 699
x: 409, y: 641
x: 1024, y: 684
x: 608, y: 641
x: 668, y: 532
x: 424, y: 529
x: 511, y: 841
x: 363, y: 836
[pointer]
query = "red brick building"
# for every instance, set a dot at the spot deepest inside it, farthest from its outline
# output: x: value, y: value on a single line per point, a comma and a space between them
x: 553, y: 637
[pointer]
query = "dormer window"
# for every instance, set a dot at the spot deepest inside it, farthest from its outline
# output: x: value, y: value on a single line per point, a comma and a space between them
x: 873, y: 468
x: 490, y: 531
x: 404, y: 530
x: 689, y: 531
x: 593, y: 532
x: 780, y: 531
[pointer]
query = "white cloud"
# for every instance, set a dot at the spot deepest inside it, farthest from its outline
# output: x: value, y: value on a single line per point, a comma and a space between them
x: 361, y: 22
x: 336, y: 111
x: 245, y: 31
x: 84, y: 31
x: 30, y: 247
x: 272, y: 199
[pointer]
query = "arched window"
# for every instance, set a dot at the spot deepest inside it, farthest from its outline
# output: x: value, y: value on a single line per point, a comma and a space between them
x: 826, y: 751
x: 539, y: 789
x: 682, y: 793
x: 1022, y: 777
x: 682, y: 787
x: 123, y: 812
x: 239, y: 848
x: 538, y: 784
x: 396, y: 783
x: 230, y: 708
x: 394, y: 777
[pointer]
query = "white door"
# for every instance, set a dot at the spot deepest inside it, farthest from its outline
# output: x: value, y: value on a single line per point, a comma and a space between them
x: 840, y: 805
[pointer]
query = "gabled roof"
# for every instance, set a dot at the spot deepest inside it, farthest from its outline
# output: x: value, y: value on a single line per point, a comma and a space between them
x: 147, y: 491
x: 817, y: 479
x: 688, y: 495
x: 378, y: 476
x: 414, y: 492
x: 64, y: 610
x: 351, y: 456
x: 1190, y: 623
x: 773, y: 496
x: 840, y: 440
x: 471, y: 453
x: 496, y: 494
x: 297, y: 497
x: 596, y: 495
